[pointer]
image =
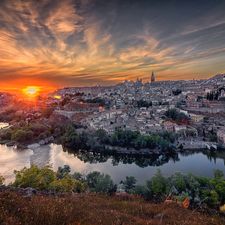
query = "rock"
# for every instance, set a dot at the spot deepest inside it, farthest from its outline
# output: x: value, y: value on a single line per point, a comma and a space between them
x: 42, y: 142
x: 159, y: 216
x: 197, y: 199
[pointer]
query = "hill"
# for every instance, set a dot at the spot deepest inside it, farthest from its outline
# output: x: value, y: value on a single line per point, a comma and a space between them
x: 218, y: 76
x: 95, y: 209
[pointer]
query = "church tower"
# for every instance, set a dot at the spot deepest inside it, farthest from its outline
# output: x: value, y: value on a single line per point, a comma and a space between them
x: 152, y: 78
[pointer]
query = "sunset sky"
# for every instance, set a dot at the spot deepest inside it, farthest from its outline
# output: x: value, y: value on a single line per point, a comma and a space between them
x: 78, y: 43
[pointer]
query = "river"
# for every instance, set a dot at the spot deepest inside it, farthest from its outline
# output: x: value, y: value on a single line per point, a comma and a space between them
x: 118, y: 166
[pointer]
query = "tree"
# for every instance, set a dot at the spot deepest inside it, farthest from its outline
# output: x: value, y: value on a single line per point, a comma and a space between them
x: 77, y: 176
x: 29, y: 135
x: 63, y: 171
x: 113, y: 140
x: 47, y: 112
x: 218, y: 183
x: 34, y: 177
x: 212, y: 137
x: 129, y: 183
x: 176, y: 92
x: 57, y: 131
x: 142, y: 190
x: 8, y: 135
x: 101, y: 134
x: 159, y: 184
x: 140, y: 142
x: 104, y: 184
x: 41, y: 136
x: 19, y: 136
x: 92, y: 178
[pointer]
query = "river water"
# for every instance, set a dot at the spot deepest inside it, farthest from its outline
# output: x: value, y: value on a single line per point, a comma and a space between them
x: 117, y: 166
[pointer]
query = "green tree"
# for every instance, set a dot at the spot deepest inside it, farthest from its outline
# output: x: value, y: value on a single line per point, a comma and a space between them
x: 19, y: 136
x: 129, y: 183
x: 8, y: 135
x: 158, y: 184
x: 104, y: 184
x: 77, y: 176
x: 34, y: 177
x: 101, y: 134
x: 218, y: 183
x: 29, y: 135
x: 41, y: 136
x: 92, y: 178
x: 142, y: 190
x: 140, y: 142
x: 63, y: 171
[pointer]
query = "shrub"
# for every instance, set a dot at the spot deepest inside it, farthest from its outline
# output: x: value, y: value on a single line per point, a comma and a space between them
x: 34, y: 177
x: 222, y: 208
x: 1, y: 179
x: 142, y: 190
x: 104, y: 184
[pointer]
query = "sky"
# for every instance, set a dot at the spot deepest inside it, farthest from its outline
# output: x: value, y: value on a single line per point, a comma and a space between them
x: 94, y: 42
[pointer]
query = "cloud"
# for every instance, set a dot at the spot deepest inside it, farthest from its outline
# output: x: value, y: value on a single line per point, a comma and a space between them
x: 74, y: 42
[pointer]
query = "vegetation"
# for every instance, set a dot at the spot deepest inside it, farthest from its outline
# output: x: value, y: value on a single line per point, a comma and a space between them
x: 100, y: 101
x: 1, y: 179
x: 45, y: 179
x: 142, y: 103
x: 177, y: 92
x: 94, y: 209
x: 85, y: 208
x: 176, y: 116
x: 180, y: 185
x: 134, y: 139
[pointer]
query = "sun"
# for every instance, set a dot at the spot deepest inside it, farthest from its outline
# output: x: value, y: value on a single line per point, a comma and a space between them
x: 31, y: 90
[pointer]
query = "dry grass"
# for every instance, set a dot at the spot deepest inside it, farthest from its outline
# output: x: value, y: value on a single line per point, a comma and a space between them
x: 93, y: 209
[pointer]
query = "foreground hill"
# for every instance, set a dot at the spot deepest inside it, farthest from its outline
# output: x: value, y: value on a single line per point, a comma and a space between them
x: 95, y: 209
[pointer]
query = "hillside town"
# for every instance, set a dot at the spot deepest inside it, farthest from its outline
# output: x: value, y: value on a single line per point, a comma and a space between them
x: 137, y: 106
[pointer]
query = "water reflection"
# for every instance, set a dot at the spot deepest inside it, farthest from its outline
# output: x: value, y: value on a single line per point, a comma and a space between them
x: 139, y: 160
x: 13, y: 159
x: 211, y: 156
x: 119, y: 166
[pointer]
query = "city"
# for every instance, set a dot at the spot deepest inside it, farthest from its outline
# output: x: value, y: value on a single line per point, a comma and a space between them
x: 112, y: 112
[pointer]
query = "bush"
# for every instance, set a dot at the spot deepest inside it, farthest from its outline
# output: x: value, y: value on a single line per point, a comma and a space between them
x: 222, y: 208
x: 104, y: 184
x: 142, y: 190
x: 2, y: 179
x: 19, y: 136
x: 34, y: 177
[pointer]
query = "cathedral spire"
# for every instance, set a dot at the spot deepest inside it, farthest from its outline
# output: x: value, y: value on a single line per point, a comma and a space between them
x: 153, y: 77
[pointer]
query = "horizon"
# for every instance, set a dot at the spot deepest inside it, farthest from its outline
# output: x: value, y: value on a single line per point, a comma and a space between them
x: 50, y: 44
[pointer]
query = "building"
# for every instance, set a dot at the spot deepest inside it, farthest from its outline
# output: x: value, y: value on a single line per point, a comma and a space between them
x: 152, y: 78
x: 221, y: 135
x: 193, y: 104
x: 168, y: 125
x: 196, y: 118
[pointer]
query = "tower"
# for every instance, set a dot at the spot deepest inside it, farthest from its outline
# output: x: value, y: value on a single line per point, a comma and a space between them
x: 152, y: 78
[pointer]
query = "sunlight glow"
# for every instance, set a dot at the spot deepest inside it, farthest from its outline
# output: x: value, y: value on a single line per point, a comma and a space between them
x: 31, y: 90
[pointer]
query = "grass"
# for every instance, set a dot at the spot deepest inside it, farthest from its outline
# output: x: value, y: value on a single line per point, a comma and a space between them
x: 93, y: 209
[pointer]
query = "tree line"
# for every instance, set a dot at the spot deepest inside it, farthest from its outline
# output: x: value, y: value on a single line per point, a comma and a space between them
x: 128, y: 139
x: 180, y: 185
